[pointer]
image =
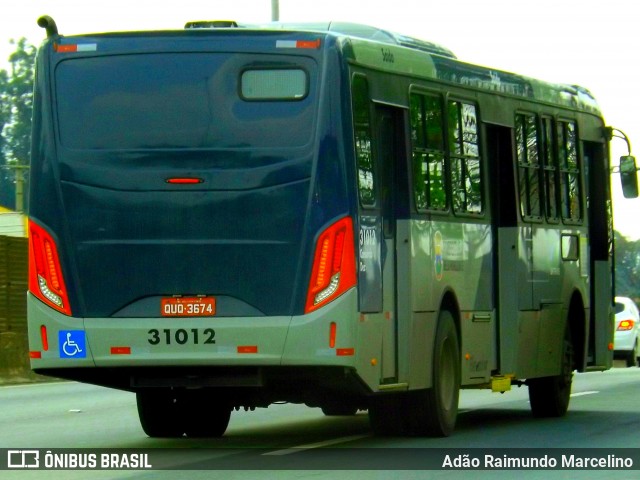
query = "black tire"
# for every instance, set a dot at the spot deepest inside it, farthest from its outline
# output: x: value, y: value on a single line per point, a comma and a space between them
x: 202, y: 415
x: 387, y: 416
x: 431, y: 412
x: 166, y: 414
x: 206, y: 420
x: 549, y: 396
x: 435, y: 411
x: 345, y: 410
x: 159, y: 413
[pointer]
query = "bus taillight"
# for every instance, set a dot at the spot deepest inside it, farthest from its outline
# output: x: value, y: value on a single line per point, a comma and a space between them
x: 45, y: 275
x: 334, y: 270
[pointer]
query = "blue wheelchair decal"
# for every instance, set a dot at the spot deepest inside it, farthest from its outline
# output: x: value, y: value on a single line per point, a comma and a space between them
x: 72, y: 344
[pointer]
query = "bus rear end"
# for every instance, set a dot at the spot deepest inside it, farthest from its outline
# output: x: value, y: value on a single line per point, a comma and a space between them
x: 190, y: 234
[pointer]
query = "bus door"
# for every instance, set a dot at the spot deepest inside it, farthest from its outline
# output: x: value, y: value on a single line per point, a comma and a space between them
x: 510, y: 272
x: 390, y: 151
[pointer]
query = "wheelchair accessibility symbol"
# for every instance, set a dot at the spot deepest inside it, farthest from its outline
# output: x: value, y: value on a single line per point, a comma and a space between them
x: 72, y: 344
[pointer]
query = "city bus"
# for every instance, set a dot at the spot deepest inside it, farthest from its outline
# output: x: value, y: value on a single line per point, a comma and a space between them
x: 224, y: 217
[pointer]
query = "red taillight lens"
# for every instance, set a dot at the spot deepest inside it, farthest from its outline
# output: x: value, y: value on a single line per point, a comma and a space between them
x: 334, y: 265
x: 625, y: 325
x: 45, y: 274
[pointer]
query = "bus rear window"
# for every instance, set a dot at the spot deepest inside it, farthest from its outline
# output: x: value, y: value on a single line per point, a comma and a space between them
x: 277, y: 84
x: 184, y: 100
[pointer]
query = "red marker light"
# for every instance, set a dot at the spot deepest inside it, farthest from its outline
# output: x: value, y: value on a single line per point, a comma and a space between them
x: 44, y: 338
x: 332, y: 334
x: 184, y: 180
x: 65, y: 48
x: 308, y: 43
x: 345, y: 352
x: 247, y: 349
x: 120, y: 350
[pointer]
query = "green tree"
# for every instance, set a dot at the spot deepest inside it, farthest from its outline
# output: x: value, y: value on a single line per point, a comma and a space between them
x: 6, y: 177
x: 16, y: 107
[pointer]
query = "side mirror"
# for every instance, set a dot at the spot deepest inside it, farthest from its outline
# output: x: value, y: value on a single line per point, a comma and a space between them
x: 629, y: 176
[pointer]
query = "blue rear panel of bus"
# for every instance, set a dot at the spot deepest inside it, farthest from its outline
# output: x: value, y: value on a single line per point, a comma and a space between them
x: 139, y: 111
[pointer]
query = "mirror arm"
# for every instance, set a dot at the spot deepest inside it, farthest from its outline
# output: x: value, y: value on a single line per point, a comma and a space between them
x: 610, y: 132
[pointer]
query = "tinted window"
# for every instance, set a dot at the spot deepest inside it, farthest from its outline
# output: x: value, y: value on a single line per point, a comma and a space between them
x: 570, y: 188
x: 278, y: 84
x: 465, y: 158
x: 186, y: 100
x: 528, y: 165
x: 428, y: 155
x: 367, y: 178
x: 550, y: 170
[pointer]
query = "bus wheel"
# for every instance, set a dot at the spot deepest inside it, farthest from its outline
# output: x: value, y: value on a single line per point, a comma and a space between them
x: 203, y: 416
x: 345, y: 410
x: 434, y: 411
x: 159, y: 413
x: 387, y: 416
x: 549, y: 396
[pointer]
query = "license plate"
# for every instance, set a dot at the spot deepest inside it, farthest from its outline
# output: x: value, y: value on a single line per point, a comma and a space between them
x: 188, y: 307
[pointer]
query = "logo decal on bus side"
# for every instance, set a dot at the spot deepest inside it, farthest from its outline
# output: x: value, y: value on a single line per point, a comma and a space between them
x: 437, y: 251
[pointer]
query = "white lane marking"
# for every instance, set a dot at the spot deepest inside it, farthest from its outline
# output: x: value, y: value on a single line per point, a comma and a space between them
x: 35, y: 384
x: 579, y: 394
x: 309, y: 446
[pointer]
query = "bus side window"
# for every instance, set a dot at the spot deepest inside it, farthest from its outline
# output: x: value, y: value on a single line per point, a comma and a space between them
x: 528, y: 166
x: 570, y: 188
x: 466, y: 179
x: 367, y: 178
x: 427, y: 153
x: 550, y: 170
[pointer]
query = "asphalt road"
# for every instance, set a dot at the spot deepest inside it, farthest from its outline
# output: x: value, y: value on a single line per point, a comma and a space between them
x: 604, y: 413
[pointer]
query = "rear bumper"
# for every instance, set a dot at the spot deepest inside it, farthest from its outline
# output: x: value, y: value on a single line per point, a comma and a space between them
x: 229, y: 342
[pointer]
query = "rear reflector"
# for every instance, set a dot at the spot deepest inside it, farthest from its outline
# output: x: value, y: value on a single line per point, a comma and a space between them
x: 345, y: 352
x: 120, y: 350
x: 44, y: 338
x: 248, y: 349
x: 332, y: 334
x: 35, y: 354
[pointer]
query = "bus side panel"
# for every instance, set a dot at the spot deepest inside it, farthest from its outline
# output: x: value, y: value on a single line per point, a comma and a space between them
x: 604, y: 321
x: 457, y: 258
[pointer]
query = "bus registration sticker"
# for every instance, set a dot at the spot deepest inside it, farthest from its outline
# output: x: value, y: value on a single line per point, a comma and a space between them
x: 188, y: 307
